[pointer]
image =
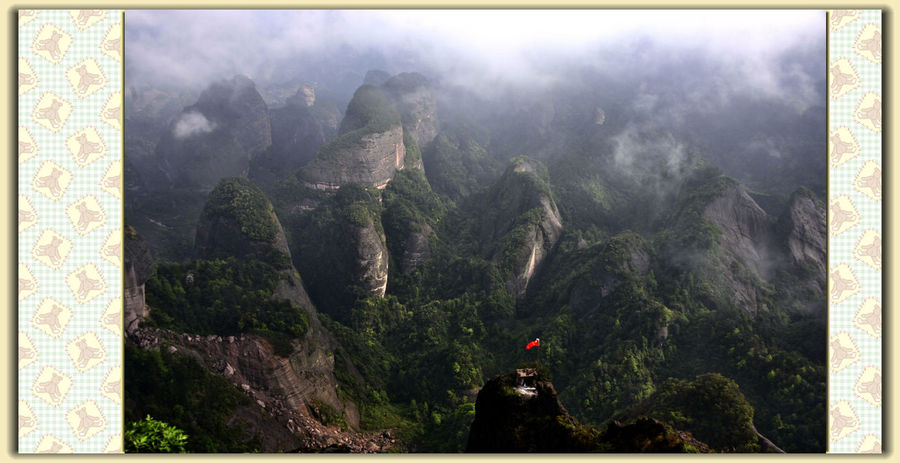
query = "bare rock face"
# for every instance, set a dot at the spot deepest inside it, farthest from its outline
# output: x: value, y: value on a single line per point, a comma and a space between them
x: 368, y: 150
x: 308, y: 93
x: 801, y: 234
x: 239, y: 221
x: 744, y: 226
x: 522, y: 224
x: 743, y: 259
x: 804, y: 225
x: 372, y: 259
x: 417, y: 104
x: 416, y: 248
x: 217, y: 136
x: 370, y: 162
x: 138, y: 269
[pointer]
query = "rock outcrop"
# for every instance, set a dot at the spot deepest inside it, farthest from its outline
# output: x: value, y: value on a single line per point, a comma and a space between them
x: 521, y: 412
x: 297, y: 136
x: 238, y: 221
x: 414, y: 98
x: 289, y: 393
x: 138, y: 269
x: 744, y: 226
x: 369, y: 148
x: 800, y: 234
x: 803, y: 228
x: 372, y: 259
x: 217, y: 136
x: 415, y: 248
x: 723, y: 237
x: 522, y: 224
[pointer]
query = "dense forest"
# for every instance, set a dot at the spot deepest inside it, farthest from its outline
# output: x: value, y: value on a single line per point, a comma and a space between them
x: 357, y: 259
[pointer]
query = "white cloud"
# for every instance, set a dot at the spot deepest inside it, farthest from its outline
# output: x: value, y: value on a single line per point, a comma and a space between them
x: 192, y: 123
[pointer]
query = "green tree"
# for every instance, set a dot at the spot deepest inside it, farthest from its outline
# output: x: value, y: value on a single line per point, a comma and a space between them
x: 153, y: 436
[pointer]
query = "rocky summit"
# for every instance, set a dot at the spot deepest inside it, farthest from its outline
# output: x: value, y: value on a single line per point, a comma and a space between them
x: 520, y: 412
x: 368, y: 149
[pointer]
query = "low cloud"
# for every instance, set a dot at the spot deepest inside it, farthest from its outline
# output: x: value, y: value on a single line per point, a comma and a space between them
x: 192, y: 123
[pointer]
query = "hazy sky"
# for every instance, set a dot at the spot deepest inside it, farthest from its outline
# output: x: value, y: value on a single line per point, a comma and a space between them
x: 194, y: 47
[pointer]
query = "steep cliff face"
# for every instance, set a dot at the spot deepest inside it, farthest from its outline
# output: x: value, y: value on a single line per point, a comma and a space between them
x: 414, y: 98
x: 217, y: 136
x: 415, y: 248
x: 802, y: 226
x: 138, y: 269
x: 744, y: 226
x: 369, y: 148
x: 337, y: 242
x: 723, y: 237
x: 238, y: 221
x: 522, y: 223
x: 801, y: 235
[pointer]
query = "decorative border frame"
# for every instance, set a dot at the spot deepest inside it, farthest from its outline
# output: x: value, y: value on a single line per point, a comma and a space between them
x: 70, y: 222
x: 855, y: 230
x: 70, y: 231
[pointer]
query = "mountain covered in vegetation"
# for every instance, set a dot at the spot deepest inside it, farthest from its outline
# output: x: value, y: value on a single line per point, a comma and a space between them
x: 352, y: 280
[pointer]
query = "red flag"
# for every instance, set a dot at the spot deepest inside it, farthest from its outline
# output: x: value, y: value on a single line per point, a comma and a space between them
x: 535, y: 343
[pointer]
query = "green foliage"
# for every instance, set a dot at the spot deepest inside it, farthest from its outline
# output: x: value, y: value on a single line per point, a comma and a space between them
x: 154, y: 436
x: 458, y: 166
x: 226, y: 297
x: 177, y: 390
x: 240, y: 199
x: 711, y: 407
x: 370, y: 111
x: 324, y: 244
x: 413, y: 153
x: 327, y: 415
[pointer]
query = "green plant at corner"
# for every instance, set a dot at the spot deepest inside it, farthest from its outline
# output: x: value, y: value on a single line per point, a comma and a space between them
x: 153, y: 436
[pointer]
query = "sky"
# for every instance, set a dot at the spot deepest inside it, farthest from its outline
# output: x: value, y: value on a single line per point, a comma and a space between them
x: 468, y: 46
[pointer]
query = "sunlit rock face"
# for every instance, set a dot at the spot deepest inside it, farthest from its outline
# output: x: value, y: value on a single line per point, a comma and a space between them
x: 369, y: 148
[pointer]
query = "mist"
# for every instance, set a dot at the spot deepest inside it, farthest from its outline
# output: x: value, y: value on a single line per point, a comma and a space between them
x: 733, y: 84
x: 523, y: 47
x: 192, y: 123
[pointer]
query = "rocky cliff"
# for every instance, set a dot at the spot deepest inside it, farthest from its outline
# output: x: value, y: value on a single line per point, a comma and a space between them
x: 414, y: 98
x: 522, y: 223
x: 803, y: 226
x: 801, y: 235
x: 217, y: 136
x: 299, y: 389
x: 368, y: 149
x: 722, y: 236
x: 296, y: 406
x: 520, y: 412
x: 744, y: 226
x: 138, y: 269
